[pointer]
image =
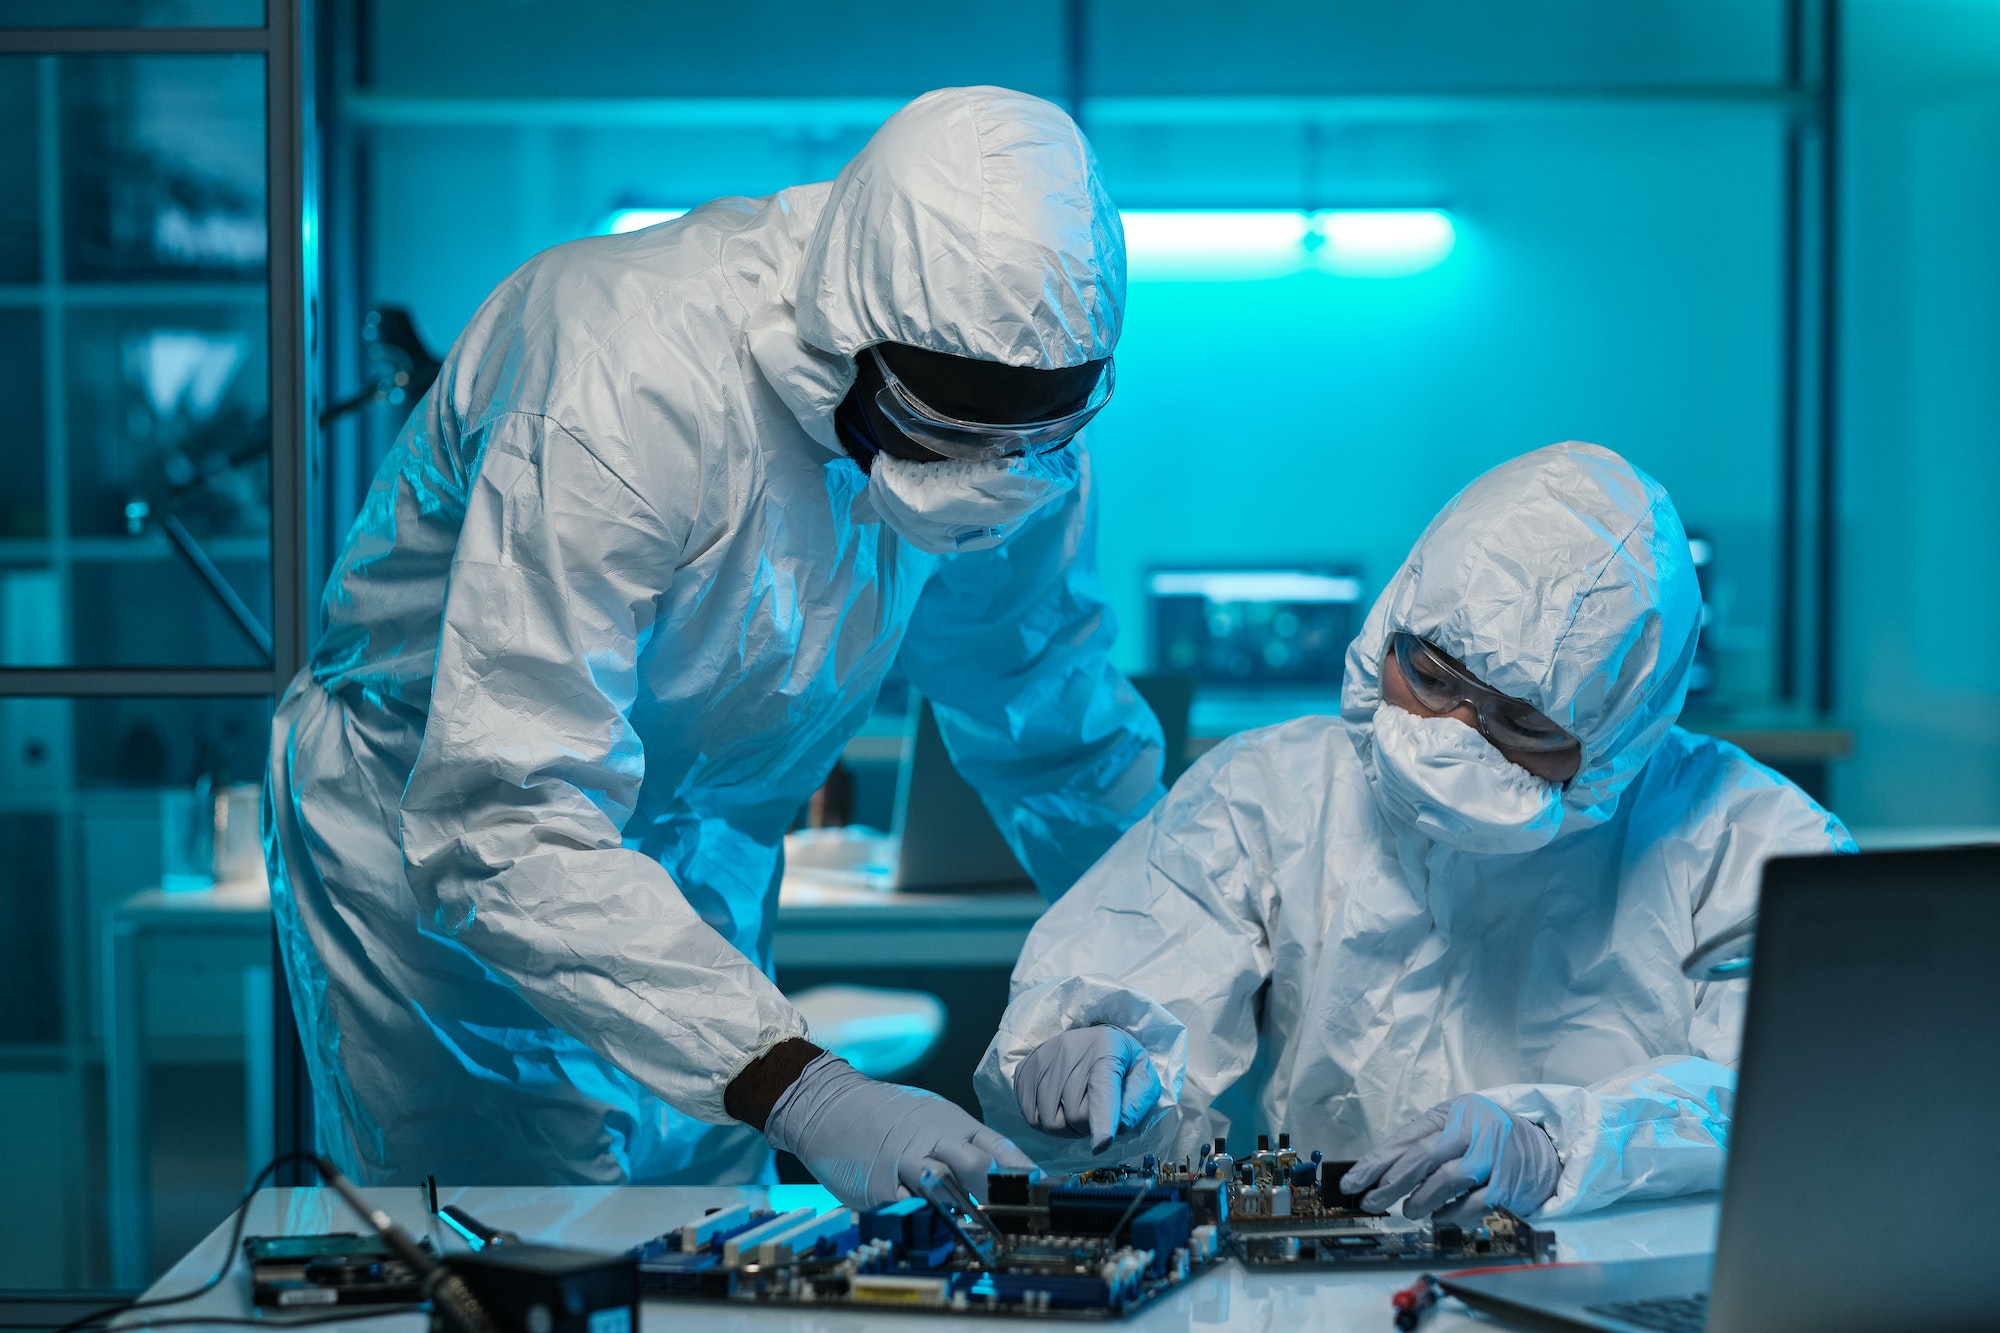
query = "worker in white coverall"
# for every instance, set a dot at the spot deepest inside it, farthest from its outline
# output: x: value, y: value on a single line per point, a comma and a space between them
x: 627, y: 584
x: 1441, y: 932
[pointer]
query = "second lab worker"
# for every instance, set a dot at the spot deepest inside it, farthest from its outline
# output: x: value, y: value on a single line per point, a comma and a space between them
x: 625, y: 587
x: 1445, y: 936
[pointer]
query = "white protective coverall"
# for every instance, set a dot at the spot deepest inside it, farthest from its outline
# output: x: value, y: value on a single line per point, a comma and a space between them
x: 1270, y: 909
x: 614, y: 605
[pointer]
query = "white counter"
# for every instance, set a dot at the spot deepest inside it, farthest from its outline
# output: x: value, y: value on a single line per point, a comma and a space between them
x: 614, y: 1218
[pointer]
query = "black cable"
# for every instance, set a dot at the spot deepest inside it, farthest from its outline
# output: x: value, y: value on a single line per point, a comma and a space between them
x: 343, y: 1315
x: 228, y: 1259
x: 453, y: 1304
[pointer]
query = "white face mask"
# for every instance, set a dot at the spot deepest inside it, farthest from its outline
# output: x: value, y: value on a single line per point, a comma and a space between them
x: 1446, y: 779
x: 960, y: 505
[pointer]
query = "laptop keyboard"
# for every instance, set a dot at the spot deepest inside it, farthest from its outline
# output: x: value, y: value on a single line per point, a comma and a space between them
x: 1669, y: 1314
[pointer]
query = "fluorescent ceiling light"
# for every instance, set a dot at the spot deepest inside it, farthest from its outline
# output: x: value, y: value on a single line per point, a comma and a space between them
x: 633, y: 219
x: 1212, y: 245
x: 1240, y: 243
x: 1383, y: 242
x: 1255, y: 585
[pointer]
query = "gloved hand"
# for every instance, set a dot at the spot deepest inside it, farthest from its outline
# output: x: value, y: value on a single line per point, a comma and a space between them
x: 868, y: 1141
x: 1097, y: 1080
x: 1469, y: 1143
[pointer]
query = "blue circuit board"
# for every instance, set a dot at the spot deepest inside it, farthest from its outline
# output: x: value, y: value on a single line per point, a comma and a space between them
x: 1093, y: 1246
x: 1036, y: 1248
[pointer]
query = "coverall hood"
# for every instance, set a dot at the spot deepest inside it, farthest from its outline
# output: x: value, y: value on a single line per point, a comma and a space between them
x: 974, y: 223
x: 1562, y: 577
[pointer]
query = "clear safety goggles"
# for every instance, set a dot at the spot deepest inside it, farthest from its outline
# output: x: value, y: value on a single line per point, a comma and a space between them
x: 1441, y: 685
x: 975, y: 440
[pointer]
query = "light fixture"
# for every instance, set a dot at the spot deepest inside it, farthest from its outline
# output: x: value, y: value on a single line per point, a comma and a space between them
x: 1240, y: 243
x: 1244, y: 243
x: 1216, y: 245
x: 1254, y: 585
x: 633, y: 219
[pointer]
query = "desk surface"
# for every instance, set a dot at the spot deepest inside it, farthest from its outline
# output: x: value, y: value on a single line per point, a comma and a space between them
x: 819, y: 924
x: 239, y: 905
x: 614, y: 1218
x: 830, y: 925
x: 803, y: 900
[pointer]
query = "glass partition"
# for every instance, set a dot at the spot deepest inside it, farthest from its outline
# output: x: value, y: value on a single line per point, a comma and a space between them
x: 20, y: 239
x: 134, y: 338
x: 153, y: 363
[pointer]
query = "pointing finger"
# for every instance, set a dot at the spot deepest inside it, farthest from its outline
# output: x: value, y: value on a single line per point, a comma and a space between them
x: 1104, y: 1095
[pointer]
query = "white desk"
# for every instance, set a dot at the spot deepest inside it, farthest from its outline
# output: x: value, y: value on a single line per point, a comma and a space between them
x: 837, y: 926
x: 614, y: 1218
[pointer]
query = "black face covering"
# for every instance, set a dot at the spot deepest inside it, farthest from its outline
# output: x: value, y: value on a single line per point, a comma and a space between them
x: 988, y: 392
x: 957, y: 386
x: 864, y: 431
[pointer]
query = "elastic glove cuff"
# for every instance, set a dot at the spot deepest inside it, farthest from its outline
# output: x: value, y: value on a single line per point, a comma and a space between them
x: 794, y: 1110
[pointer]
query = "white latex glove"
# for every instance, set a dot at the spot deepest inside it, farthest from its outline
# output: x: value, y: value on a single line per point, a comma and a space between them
x: 869, y: 1141
x: 1095, y: 1080
x: 1468, y: 1148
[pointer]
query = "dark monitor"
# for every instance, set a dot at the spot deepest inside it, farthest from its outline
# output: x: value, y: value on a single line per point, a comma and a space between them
x: 1254, y: 628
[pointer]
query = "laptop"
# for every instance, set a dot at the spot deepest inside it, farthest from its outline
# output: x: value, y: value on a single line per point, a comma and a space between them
x: 1867, y: 1110
x: 947, y: 841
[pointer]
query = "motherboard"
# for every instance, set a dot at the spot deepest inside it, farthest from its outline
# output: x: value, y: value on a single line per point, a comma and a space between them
x: 1038, y: 1246
x: 340, y: 1269
x: 1097, y: 1245
x: 1287, y: 1210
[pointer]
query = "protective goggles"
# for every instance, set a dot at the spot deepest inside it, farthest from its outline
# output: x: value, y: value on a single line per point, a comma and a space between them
x: 1441, y: 685
x: 980, y: 440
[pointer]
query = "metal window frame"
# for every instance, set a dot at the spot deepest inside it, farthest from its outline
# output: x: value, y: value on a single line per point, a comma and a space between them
x: 292, y: 311
x: 1806, y: 640
x: 291, y: 271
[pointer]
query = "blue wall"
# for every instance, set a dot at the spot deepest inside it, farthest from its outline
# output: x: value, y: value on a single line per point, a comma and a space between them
x: 1616, y: 278
x: 1920, y: 639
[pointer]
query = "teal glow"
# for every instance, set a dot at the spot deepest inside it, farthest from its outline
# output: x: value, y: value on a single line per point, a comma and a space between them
x: 1218, y: 245
x: 633, y: 219
x: 1174, y: 245
x: 1238, y: 244
x: 476, y: 1241
x: 1255, y: 585
x: 786, y: 1198
x: 1382, y: 242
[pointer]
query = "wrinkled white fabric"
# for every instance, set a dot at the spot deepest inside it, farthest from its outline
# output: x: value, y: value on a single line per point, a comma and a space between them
x: 1448, y: 781
x: 963, y: 504
x: 1006, y: 245
x: 1293, y: 957
x: 613, y: 607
